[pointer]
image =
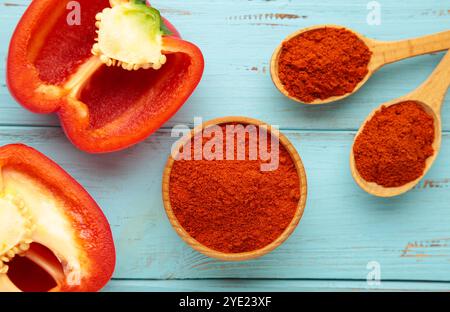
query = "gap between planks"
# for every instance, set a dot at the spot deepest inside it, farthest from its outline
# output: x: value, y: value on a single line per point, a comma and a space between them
x: 165, y: 129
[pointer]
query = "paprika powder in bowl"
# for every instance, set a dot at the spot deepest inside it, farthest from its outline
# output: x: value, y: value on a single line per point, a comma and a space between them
x: 234, y: 188
x: 327, y: 63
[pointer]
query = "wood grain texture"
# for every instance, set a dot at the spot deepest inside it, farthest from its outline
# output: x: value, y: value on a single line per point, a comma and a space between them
x: 343, y: 227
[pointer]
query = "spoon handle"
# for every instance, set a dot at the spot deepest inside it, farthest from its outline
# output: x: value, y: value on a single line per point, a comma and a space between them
x: 434, y: 89
x: 385, y: 52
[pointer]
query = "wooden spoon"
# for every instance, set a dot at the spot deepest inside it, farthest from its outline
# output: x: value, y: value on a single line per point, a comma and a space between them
x: 384, y: 52
x: 244, y: 255
x: 430, y: 95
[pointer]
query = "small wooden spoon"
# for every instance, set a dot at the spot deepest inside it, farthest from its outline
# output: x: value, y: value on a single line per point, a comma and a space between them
x: 384, y: 52
x: 244, y: 255
x: 430, y: 95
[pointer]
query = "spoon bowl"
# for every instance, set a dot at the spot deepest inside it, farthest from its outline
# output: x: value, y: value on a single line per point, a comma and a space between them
x: 430, y: 95
x: 382, y: 53
x: 379, y: 190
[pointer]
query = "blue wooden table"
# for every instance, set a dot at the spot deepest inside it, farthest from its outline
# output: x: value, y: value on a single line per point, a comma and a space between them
x: 345, y: 233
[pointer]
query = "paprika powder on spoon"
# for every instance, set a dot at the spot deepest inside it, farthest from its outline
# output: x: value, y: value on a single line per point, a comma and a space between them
x: 394, y: 145
x: 323, y: 63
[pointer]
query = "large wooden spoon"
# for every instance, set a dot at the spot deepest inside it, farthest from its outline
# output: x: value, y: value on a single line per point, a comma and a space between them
x: 430, y: 95
x: 384, y: 52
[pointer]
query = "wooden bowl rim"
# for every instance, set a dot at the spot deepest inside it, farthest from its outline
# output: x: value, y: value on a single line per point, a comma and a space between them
x: 244, y: 255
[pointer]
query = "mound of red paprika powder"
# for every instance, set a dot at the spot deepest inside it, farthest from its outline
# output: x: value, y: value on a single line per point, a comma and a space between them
x: 394, y: 145
x: 232, y: 206
x: 322, y: 63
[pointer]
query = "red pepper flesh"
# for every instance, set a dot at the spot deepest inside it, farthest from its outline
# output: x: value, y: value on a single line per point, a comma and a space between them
x: 50, y: 69
x: 63, y: 220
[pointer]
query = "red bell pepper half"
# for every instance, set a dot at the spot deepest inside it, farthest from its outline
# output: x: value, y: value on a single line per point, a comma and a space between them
x: 114, y: 71
x: 53, y: 236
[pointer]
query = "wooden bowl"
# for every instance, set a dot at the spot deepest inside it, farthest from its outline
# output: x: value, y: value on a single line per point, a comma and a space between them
x: 244, y: 255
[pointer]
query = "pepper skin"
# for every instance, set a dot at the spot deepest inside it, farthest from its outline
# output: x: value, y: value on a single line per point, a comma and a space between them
x: 50, y: 69
x: 47, y: 218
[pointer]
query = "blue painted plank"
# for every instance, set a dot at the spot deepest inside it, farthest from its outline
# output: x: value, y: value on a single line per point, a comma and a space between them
x: 238, y: 38
x: 268, y: 285
x: 343, y: 228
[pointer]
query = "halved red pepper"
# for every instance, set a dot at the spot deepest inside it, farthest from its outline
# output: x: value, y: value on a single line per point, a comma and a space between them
x: 54, y: 66
x: 53, y: 236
